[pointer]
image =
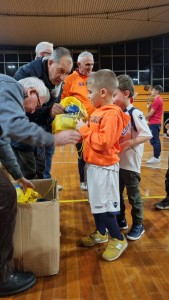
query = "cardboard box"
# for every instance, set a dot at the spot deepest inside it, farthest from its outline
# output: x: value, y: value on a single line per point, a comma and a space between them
x: 37, y: 232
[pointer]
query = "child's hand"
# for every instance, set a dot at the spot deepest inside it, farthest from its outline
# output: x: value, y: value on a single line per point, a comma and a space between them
x: 79, y: 124
x: 125, y: 146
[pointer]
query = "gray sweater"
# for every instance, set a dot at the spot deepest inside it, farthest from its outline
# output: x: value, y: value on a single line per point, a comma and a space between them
x: 15, y: 124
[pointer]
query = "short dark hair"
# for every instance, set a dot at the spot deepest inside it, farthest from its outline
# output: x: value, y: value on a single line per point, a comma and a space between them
x: 126, y: 83
x: 158, y: 87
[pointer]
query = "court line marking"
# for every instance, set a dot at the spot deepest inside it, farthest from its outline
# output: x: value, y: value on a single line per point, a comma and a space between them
x: 86, y: 200
x: 64, y: 162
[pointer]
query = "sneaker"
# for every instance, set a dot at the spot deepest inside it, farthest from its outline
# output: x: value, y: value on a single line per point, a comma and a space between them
x: 153, y: 160
x: 164, y: 204
x: 83, y: 186
x: 59, y: 187
x: 93, y: 239
x: 122, y: 224
x: 114, y: 249
x: 135, y: 232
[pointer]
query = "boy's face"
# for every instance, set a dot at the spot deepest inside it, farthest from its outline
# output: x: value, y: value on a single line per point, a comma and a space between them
x: 154, y: 92
x: 119, y: 98
x: 94, y: 95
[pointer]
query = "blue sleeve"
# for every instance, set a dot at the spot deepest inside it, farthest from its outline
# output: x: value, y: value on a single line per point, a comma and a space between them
x: 13, y: 120
x: 8, y: 159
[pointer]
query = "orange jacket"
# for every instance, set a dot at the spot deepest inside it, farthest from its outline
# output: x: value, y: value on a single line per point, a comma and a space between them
x: 75, y: 85
x: 101, y: 135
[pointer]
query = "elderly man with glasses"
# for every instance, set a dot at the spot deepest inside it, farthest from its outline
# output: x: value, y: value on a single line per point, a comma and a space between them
x: 16, y: 99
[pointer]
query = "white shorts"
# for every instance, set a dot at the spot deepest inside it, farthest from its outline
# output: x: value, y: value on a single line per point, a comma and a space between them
x: 103, y: 188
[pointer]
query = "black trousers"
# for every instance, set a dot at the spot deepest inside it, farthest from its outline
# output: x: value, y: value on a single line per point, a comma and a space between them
x: 32, y: 164
x: 8, y: 210
x: 81, y: 163
x: 167, y: 181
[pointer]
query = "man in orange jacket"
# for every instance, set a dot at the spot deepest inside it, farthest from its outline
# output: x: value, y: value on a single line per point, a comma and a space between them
x: 75, y: 85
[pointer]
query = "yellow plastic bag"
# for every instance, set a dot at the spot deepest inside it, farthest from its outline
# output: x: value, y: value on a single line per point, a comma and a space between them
x: 68, y: 121
x: 29, y: 196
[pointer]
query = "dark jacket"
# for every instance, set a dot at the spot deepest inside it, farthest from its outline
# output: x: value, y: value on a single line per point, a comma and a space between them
x: 37, y: 68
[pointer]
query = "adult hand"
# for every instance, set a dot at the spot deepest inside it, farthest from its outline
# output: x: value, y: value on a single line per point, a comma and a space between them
x: 67, y: 137
x: 56, y: 109
x: 25, y: 183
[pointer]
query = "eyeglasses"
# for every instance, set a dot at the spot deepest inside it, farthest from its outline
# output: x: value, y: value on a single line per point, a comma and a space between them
x: 39, y: 105
x: 48, y: 53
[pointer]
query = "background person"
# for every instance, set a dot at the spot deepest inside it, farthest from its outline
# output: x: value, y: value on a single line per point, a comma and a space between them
x: 154, y: 117
x: 43, y: 49
x: 164, y: 204
x: 75, y: 85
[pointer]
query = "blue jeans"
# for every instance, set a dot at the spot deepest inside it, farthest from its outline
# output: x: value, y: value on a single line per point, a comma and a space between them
x: 49, y: 151
x: 155, y: 140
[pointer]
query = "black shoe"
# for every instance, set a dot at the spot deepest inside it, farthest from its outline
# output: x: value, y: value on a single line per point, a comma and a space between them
x: 16, y: 283
x: 122, y: 224
x: 164, y: 204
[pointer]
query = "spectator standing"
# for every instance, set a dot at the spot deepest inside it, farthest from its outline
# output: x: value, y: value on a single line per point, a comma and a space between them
x: 43, y: 49
x: 154, y: 117
x: 75, y: 85
x: 164, y: 204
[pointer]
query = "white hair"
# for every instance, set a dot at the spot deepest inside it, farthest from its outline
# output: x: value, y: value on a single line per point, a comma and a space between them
x: 37, y: 84
x: 84, y: 54
x: 43, y: 47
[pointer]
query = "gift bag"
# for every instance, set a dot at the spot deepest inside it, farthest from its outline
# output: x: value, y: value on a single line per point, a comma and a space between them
x: 74, y: 110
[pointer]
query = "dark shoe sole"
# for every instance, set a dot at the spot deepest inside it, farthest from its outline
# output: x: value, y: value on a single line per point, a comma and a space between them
x: 19, y: 290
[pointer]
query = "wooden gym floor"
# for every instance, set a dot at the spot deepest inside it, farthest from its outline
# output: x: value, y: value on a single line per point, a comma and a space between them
x: 142, y: 272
